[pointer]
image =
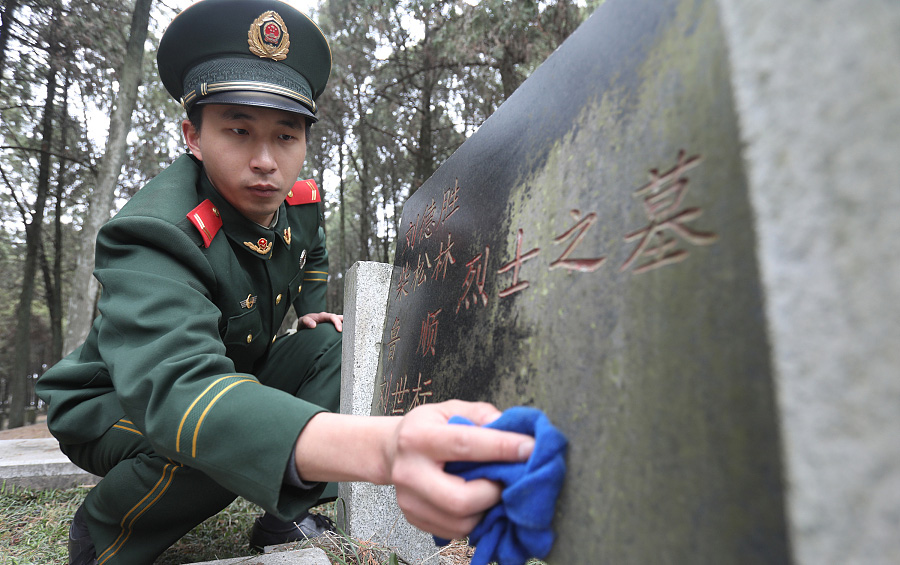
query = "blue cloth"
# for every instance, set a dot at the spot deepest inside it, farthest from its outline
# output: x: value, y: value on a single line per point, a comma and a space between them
x: 519, y: 527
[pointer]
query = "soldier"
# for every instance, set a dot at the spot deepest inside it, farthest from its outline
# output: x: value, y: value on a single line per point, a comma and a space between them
x: 183, y: 397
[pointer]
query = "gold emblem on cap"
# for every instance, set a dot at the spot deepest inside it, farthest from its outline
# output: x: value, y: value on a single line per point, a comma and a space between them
x: 268, y: 37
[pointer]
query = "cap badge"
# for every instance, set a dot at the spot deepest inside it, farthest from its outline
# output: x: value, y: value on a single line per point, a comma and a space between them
x: 268, y: 37
x: 262, y: 246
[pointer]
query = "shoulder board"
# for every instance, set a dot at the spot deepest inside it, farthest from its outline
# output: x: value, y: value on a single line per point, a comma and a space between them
x: 206, y: 219
x: 304, y: 192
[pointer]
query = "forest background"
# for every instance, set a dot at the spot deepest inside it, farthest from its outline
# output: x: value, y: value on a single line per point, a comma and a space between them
x: 85, y: 122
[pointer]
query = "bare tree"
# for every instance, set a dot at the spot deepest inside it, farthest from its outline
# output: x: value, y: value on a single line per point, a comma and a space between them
x: 9, y: 11
x: 33, y: 243
x: 84, y: 287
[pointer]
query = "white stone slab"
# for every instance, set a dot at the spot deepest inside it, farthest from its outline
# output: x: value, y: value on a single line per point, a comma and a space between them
x: 816, y: 87
x: 365, y: 511
x: 38, y: 463
x: 311, y: 556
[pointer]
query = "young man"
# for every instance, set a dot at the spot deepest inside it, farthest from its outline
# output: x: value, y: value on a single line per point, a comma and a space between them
x: 182, y: 397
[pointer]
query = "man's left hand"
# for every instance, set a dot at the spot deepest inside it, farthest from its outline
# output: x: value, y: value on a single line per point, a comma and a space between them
x: 312, y: 320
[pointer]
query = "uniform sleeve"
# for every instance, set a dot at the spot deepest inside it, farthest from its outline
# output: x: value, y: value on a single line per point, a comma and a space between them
x: 160, y: 340
x: 312, y: 297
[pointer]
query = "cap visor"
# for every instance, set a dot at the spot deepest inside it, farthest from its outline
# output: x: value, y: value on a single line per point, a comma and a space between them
x: 262, y: 99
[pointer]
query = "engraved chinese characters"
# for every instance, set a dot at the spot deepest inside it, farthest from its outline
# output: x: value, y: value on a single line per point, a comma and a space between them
x: 590, y: 251
x: 662, y: 199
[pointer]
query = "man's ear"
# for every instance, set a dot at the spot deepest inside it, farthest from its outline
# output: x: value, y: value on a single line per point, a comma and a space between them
x: 192, y: 138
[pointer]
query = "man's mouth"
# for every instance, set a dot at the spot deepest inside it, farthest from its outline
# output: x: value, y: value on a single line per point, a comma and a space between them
x: 263, y: 188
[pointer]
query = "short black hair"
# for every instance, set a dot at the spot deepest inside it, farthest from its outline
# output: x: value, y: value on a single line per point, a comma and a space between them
x: 195, y: 116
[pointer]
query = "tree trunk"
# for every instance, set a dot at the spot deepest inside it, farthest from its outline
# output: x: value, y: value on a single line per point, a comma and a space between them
x: 365, y: 192
x: 53, y: 277
x: 8, y: 13
x: 343, y: 202
x: 425, y: 160
x: 84, y: 285
x: 53, y: 271
x: 386, y: 193
x: 342, y: 206
x: 20, y: 371
x: 509, y: 76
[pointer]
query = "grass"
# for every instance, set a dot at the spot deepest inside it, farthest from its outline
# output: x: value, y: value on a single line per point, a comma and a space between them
x: 34, y: 527
x: 35, y: 524
x: 348, y: 551
x: 219, y: 537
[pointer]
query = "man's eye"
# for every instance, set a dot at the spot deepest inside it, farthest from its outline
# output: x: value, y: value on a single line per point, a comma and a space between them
x: 286, y: 137
x: 239, y: 131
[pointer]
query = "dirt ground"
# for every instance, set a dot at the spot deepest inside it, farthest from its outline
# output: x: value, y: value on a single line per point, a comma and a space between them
x: 33, y: 431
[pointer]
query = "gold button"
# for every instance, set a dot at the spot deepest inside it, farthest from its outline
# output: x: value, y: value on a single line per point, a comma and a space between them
x: 278, y: 299
x: 273, y: 339
x: 300, y: 288
x: 249, y: 338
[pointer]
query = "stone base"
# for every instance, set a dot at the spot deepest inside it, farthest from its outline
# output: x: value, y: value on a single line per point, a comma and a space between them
x: 39, y: 464
x: 366, y: 511
x: 311, y: 556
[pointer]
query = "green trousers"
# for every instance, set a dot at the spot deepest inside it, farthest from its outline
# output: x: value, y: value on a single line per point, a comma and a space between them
x: 146, y: 502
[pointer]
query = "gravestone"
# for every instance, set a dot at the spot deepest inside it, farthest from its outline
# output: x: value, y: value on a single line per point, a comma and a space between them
x: 590, y: 251
x: 816, y: 88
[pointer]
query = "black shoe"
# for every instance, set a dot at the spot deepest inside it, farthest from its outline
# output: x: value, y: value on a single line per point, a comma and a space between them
x: 268, y: 530
x: 81, y: 548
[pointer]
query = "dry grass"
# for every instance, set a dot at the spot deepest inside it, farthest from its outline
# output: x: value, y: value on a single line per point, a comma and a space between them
x: 34, y: 524
x: 343, y: 550
x: 34, y: 528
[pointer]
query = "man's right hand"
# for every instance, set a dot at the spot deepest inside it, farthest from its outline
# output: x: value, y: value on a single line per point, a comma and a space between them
x: 433, y: 500
x: 409, y: 452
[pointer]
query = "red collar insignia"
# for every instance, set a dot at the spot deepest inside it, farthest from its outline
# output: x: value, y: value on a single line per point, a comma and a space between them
x: 304, y: 192
x: 206, y: 219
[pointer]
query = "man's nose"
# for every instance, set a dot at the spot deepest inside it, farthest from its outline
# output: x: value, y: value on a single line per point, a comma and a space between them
x: 263, y: 160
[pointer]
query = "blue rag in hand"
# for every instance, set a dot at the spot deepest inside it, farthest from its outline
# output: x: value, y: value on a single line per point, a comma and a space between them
x: 519, y: 527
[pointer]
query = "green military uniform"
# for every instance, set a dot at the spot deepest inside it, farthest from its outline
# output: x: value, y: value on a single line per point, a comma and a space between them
x: 182, y: 396
x: 173, y: 365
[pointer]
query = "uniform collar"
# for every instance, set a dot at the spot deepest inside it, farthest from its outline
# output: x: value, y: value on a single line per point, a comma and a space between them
x: 250, y: 236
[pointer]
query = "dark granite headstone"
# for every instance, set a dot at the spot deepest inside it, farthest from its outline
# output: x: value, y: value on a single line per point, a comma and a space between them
x: 590, y: 251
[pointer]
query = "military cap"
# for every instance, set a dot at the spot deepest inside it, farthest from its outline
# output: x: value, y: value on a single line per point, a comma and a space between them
x: 248, y: 52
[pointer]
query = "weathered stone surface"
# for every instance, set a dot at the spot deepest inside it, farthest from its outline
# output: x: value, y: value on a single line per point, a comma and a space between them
x: 816, y: 86
x: 311, y: 556
x: 365, y: 302
x: 590, y: 251
x: 39, y: 464
x: 366, y: 511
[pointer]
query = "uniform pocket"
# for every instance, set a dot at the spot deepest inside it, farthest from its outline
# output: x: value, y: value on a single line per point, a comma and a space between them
x: 244, y: 340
